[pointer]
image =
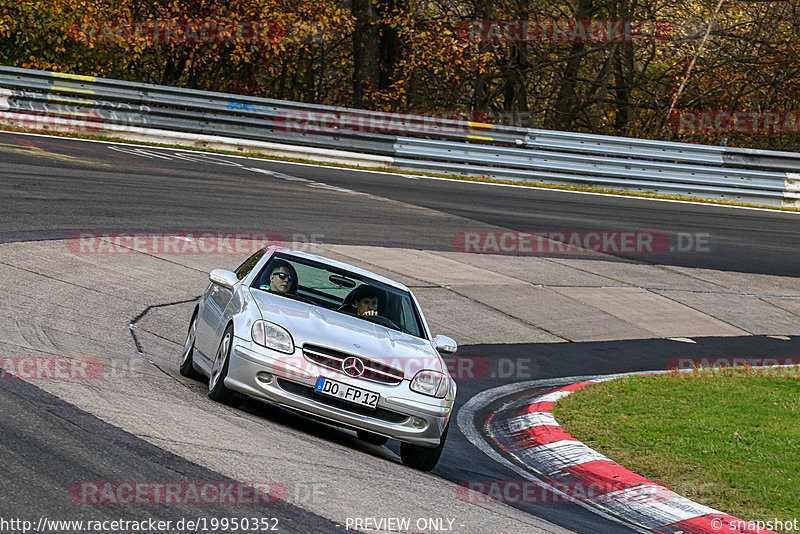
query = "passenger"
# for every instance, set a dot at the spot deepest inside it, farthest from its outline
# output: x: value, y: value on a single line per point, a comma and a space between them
x: 282, y: 277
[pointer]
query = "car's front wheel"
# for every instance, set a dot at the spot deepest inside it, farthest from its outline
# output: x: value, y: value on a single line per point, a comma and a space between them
x: 219, y: 370
x: 422, y: 458
x: 187, y: 358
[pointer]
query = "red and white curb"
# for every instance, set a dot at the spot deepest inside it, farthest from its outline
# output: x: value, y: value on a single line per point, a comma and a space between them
x: 527, y: 431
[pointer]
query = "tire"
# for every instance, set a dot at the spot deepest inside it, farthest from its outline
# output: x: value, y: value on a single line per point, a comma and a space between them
x: 372, y: 439
x: 217, y: 390
x: 422, y: 458
x: 187, y: 358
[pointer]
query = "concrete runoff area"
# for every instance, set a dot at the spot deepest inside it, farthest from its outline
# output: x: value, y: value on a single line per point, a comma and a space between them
x: 423, y: 265
x: 658, y: 315
x: 638, y: 274
x: 790, y: 305
x: 752, y: 315
x: 469, y: 321
x: 544, y: 308
x: 536, y: 270
x: 59, y: 303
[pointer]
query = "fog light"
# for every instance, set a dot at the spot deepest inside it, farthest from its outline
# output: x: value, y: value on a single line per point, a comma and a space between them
x: 265, y: 378
x: 419, y: 423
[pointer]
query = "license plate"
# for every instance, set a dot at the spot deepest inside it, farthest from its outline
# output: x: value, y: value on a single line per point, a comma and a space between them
x: 347, y: 393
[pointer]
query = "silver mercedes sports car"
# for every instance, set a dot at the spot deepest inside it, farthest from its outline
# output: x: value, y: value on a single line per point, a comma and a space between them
x: 328, y: 339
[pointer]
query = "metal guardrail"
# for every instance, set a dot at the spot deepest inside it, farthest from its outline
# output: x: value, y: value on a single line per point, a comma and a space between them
x: 649, y: 148
x: 413, y: 142
x: 639, y: 175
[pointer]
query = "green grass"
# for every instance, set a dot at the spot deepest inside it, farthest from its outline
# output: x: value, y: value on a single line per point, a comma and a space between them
x: 729, y: 439
x: 483, y: 179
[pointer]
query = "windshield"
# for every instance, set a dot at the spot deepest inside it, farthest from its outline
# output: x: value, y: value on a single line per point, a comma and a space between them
x: 340, y: 290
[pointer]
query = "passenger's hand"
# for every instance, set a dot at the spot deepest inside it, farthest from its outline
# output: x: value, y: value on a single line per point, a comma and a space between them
x: 370, y: 313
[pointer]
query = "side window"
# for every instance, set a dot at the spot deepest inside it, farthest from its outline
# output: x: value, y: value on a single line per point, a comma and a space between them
x: 408, y: 319
x: 245, y: 268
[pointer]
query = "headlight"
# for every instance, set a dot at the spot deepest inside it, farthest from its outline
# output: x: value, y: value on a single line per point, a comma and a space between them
x: 430, y: 383
x: 272, y: 336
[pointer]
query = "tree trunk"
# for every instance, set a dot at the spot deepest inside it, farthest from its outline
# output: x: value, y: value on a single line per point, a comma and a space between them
x: 391, y: 44
x: 515, y: 93
x: 623, y: 76
x: 484, y: 10
x: 366, y: 52
x: 567, y: 101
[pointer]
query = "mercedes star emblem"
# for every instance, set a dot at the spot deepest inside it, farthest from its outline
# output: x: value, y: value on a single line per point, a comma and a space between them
x: 352, y: 366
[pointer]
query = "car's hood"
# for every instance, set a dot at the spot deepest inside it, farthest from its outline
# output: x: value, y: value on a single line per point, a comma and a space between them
x: 310, y: 324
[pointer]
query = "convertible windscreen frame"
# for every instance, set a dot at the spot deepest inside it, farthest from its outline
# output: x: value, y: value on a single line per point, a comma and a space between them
x: 404, y: 304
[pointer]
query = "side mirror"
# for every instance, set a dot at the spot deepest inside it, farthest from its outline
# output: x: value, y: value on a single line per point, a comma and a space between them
x: 445, y: 345
x: 223, y: 278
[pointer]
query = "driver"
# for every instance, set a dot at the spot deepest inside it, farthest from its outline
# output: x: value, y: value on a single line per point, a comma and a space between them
x: 365, y: 300
x: 282, y: 277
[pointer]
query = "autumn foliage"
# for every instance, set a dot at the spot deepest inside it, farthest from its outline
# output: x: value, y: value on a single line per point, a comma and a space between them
x: 426, y: 55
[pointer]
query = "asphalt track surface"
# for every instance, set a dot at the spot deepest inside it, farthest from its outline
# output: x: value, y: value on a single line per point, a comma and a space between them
x: 99, y: 189
x: 52, y: 188
x: 47, y: 444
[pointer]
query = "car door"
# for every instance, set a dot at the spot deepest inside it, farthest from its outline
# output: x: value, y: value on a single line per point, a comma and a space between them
x: 211, y: 319
x: 209, y: 316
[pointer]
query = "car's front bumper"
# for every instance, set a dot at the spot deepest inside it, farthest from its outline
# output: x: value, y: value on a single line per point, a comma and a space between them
x: 401, y: 414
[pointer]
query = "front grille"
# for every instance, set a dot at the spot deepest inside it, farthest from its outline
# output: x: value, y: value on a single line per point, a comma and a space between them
x: 373, y: 370
x: 308, y: 392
